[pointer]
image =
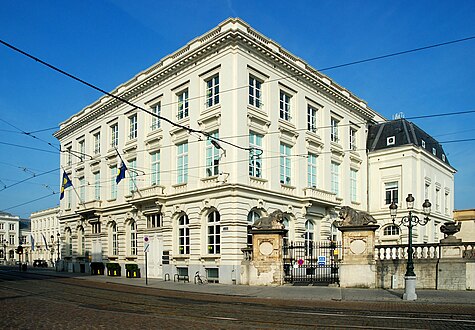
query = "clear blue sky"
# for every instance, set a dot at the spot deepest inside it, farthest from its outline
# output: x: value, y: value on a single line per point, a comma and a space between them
x: 108, y: 42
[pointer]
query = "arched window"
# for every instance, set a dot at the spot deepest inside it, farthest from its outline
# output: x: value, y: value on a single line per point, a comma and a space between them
x: 133, y: 238
x: 251, y: 218
x: 81, y: 241
x: 309, y: 237
x: 214, y: 233
x: 69, y: 242
x: 391, y: 230
x: 114, y: 239
x: 183, y: 235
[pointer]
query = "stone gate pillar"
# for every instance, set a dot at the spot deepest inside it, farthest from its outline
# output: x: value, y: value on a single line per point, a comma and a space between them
x: 358, y: 267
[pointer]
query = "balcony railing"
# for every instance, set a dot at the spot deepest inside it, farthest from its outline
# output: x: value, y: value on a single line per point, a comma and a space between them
x: 321, y: 195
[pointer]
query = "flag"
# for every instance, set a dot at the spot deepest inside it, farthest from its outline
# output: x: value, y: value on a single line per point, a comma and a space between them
x: 65, y: 184
x: 44, y: 240
x: 121, y: 172
x: 32, y: 240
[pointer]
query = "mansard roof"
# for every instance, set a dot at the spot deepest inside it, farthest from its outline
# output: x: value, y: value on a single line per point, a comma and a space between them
x: 402, y: 132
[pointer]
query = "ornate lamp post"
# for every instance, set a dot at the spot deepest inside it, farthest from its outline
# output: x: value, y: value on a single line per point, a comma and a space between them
x: 5, y: 250
x: 52, y: 249
x: 58, y: 235
x: 410, y: 221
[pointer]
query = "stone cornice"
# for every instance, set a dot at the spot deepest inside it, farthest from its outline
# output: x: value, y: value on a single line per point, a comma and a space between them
x: 232, y: 31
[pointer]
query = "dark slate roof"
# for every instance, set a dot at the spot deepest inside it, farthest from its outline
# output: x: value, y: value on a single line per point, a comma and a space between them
x: 402, y: 132
x: 25, y: 224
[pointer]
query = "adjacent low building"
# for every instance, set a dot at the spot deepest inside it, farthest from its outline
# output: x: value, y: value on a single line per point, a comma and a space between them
x: 227, y: 129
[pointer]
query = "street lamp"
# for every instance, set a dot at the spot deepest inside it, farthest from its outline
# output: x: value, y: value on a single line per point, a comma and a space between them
x: 5, y: 251
x: 52, y: 249
x: 58, y: 235
x: 410, y: 221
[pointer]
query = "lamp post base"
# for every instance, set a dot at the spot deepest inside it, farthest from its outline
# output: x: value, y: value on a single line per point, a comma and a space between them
x: 410, y: 288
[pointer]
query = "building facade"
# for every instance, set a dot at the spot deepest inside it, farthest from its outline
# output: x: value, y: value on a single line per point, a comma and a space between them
x: 229, y: 128
x: 9, y: 237
x: 45, y: 236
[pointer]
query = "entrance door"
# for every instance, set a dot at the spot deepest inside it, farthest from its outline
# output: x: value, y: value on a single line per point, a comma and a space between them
x: 153, y: 257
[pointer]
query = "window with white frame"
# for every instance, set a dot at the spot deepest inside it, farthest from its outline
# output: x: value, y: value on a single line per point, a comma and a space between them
x: 285, y: 164
x: 309, y: 236
x: 182, y: 104
x: 434, y: 151
x: 97, y: 186
x: 133, y: 126
x: 391, y: 192
x: 391, y: 230
x: 214, y: 233
x: 311, y: 119
x: 255, y: 159
x: 352, y: 138
x: 12, y: 240
x: 11, y: 226
x: 255, y: 91
x: 132, y: 175
x: 113, y: 184
x: 251, y: 218
x: 286, y: 223
x: 154, y: 220
x: 353, y: 185
x: 69, y: 242
x: 182, y: 163
x: 334, y: 129
x: 81, y: 241
x: 157, y: 112
x: 97, y: 143
x: 114, y: 239
x: 69, y: 159
x: 183, y: 235
x: 212, y: 155
x: 114, y: 129
x: 335, y: 178
x: 426, y: 190
x: 82, y: 189
x: 212, y: 91
x: 133, y: 238
x: 69, y: 197
x: 82, y: 150
x: 312, y: 170
x: 437, y: 199
x: 284, y: 106
x: 390, y: 140
x: 155, y: 168
x: 446, y: 202
x: 96, y: 227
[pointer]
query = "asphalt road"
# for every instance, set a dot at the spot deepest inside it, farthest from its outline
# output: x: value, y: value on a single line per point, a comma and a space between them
x: 37, y: 301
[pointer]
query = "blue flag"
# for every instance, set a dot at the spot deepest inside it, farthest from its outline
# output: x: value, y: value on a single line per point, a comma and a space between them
x: 121, y: 173
x: 32, y: 243
x: 65, y: 184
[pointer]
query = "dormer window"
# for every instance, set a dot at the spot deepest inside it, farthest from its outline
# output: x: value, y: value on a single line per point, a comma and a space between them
x: 443, y: 157
x: 391, y: 140
x: 434, y: 151
x: 423, y: 144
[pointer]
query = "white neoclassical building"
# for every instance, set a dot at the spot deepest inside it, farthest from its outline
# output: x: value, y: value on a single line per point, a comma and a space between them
x: 45, y: 235
x: 9, y: 237
x: 250, y: 129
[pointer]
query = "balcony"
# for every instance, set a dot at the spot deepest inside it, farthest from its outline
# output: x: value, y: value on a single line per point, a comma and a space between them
x: 321, y: 196
x: 145, y: 194
x: 88, y: 209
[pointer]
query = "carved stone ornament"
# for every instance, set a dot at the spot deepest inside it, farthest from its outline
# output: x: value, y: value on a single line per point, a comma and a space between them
x: 273, y: 221
x: 450, y: 228
x: 351, y: 217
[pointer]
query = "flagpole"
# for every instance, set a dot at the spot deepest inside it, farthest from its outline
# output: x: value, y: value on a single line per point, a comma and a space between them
x: 74, y: 188
x: 130, y: 177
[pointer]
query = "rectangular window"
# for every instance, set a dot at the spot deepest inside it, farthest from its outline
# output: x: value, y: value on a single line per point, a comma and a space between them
x: 155, y: 168
x: 82, y: 150
x: 182, y: 104
x: 285, y: 168
x: 437, y: 199
x: 446, y: 202
x: 335, y: 178
x: 426, y: 191
x: 154, y: 220
x: 312, y: 171
x: 97, y: 143
x: 97, y: 186
x: 113, y: 184
x: 255, y: 160
x: 69, y: 160
x: 255, y: 96
x: 11, y: 226
x: 69, y: 198
x: 391, y: 189
x: 182, y: 163
x: 12, y: 240
x: 311, y: 119
x: 115, y: 241
x: 284, y: 106
x: 133, y: 239
x: 353, y: 184
x: 212, y: 156
x: 352, y: 138
x: 82, y: 189
x: 212, y: 91
x: 133, y: 127
x: 132, y: 175
x: 183, y: 235
x: 334, y: 129
x: 114, y: 135
x: 156, y: 110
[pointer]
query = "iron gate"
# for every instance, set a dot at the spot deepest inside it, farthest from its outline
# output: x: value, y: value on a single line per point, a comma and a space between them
x: 313, y: 263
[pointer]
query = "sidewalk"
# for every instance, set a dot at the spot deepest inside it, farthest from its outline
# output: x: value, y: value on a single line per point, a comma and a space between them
x: 285, y: 292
